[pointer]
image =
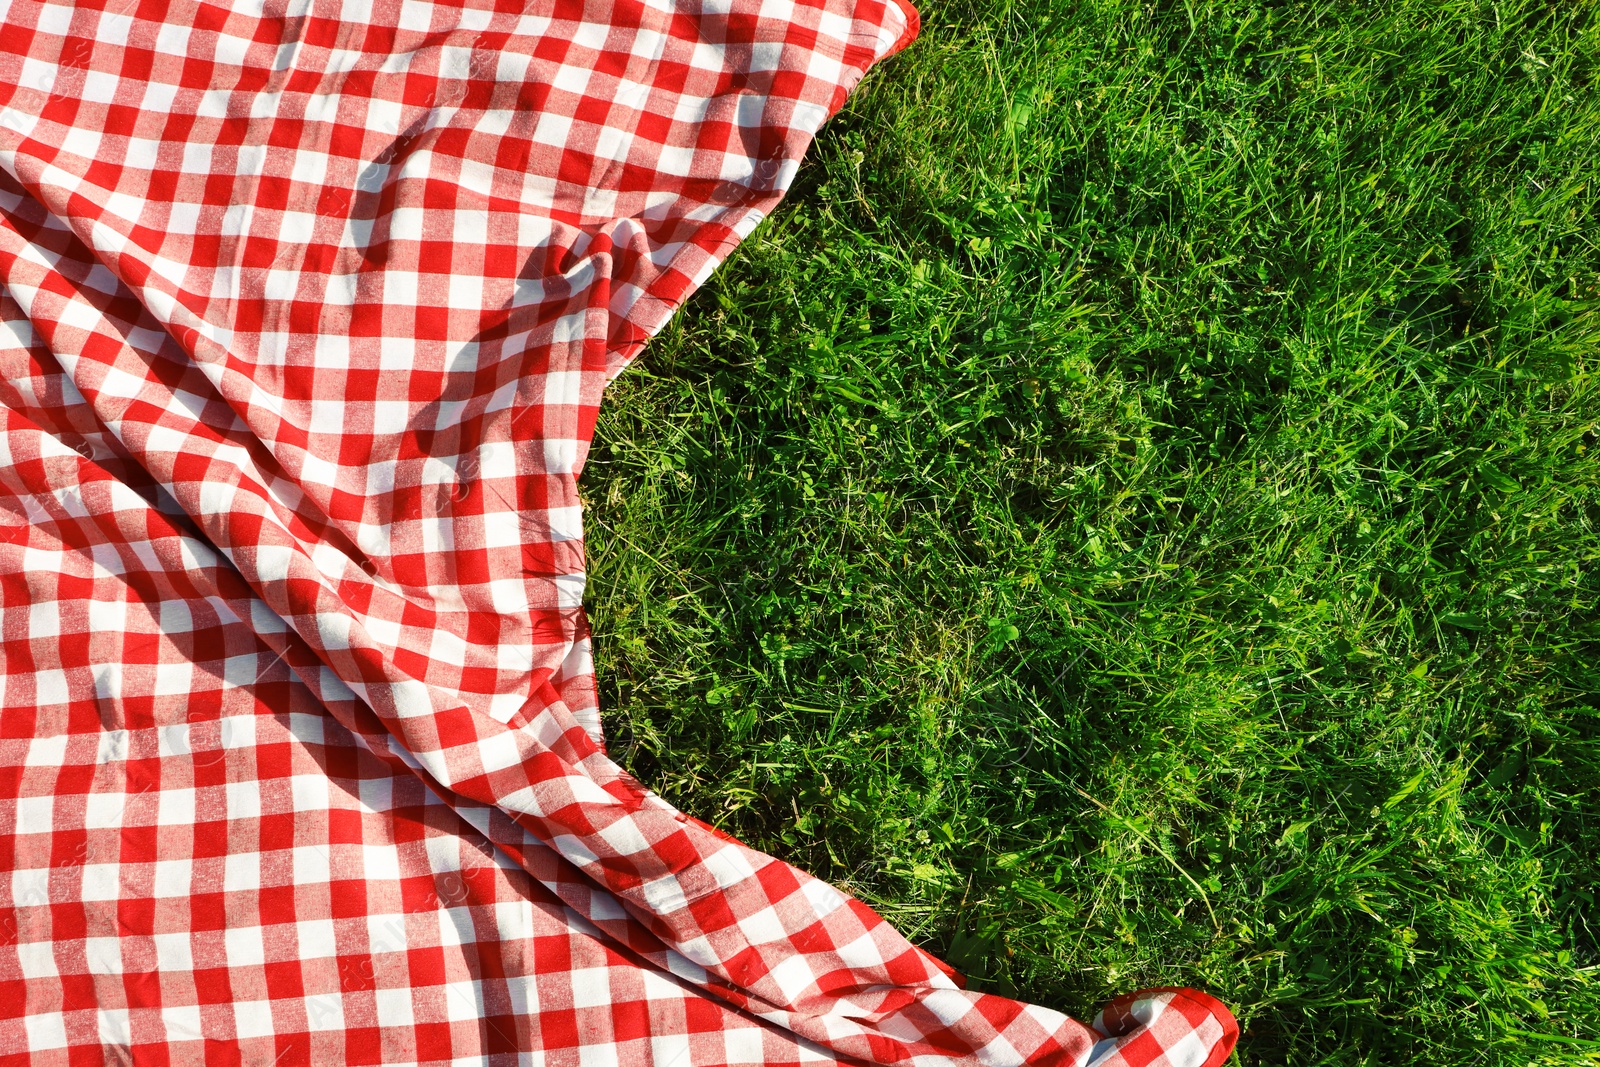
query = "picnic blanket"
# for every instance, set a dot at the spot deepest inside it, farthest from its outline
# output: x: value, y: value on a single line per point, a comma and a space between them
x: 306, y: 309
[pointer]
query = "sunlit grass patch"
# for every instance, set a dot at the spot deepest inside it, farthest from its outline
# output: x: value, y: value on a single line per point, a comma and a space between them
x: 1130, y: 517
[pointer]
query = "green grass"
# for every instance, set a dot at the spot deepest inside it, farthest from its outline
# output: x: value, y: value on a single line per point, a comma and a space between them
x: 1131, y: 517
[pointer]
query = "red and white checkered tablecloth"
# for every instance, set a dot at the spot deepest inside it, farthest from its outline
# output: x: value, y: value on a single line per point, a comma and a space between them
x: 306, y: 308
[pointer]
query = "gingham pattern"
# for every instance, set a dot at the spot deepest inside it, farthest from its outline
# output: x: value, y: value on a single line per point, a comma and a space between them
x: 1166, y: 1027
x: 306, y: 309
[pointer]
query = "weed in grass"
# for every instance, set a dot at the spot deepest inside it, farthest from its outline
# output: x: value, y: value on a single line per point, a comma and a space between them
x: 1131, y: 517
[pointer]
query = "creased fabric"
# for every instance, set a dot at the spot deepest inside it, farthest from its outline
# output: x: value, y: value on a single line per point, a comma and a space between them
x: 306, y: 309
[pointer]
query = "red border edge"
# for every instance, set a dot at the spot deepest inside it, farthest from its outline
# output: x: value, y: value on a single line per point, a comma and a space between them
x: 913, y: 27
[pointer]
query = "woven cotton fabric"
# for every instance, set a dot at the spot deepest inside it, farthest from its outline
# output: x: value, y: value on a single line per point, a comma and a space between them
x: 306, y: 310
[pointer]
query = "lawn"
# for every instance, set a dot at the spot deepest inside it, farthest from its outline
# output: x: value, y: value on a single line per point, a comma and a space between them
x: 1133, y: 517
